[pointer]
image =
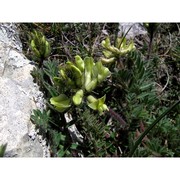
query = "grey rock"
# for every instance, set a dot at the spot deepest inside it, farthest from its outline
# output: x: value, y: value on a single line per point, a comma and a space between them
x: 9, y: 35
x: 136, y: 29
x: 18, y: 97
x: 74, y: 133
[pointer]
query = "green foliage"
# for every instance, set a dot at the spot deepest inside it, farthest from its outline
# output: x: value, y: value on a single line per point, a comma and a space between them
x: 2, y: 150
x: 113, y: 53
x: 151, y: 127
x: 144, y: 82
x: 137, y: 87
x: 80, y: 78
x: 97, y: 104
x: 49, y: 128
x: 44, y: 77
x: 41, y: 119
x: 40, y: 46
x: 61, y: 102
x: 99, y: 140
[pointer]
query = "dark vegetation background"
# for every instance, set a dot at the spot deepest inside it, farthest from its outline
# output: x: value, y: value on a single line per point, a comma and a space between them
x: 144, y: 83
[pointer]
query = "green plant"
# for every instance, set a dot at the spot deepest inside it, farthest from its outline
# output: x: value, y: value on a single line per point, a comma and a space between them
x: 3, y: 149
x: 113, y: 53
x: 99, y: 139
x: 80, y: 78
x: 40, y: 46
x: 151, y: 126
x: 131, y: 98
x: 134, y: 83
x: 151, y: 29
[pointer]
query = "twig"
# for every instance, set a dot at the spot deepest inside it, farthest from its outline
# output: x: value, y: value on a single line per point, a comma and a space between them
x: 66, y: 49
x: 166, y: 82
x: 150, y: 46
x: 118, y: 117
x: 178, y: 28
x: 68, y: 39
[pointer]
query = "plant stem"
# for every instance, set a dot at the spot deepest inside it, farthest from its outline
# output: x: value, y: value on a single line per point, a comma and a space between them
x: 150, y: 127
x: 3, y: 149
x: 124, y: 36
x: 150, y: 46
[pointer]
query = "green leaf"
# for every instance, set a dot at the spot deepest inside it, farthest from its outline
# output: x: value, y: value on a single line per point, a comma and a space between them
x: 61, y: 153
x: 103, y: 72
x: 97, y: 104
x: 107, y: 54
x: 74, y: 146
x: 41, y: 119
x: 3, y: 149
x: 79, y: 63
x: 106, y: 43
x: 142, y: 95
x: 146, y: 87
x: 39, y: 45
x: 89, y: 62
x: 91, y: 85
x: 61, y: 102
x: 102, y: 100
x: 93, y: 105
x: 95, y: 72
x: 91, y: 99
x: 77, y: 98
x: 107, y: 61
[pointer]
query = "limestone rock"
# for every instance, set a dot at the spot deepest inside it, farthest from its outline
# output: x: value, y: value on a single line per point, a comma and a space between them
x: 18, y: 97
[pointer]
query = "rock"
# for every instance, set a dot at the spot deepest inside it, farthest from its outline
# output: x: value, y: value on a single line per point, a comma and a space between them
x: 136, y: 30
x: 19, y: 96
x: 73, y: 131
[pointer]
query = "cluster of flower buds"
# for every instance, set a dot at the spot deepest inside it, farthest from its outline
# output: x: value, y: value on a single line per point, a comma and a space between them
x: 39, y: 45
x: 112, y: 52
x: 97, y: 104
x: 81, y: 76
